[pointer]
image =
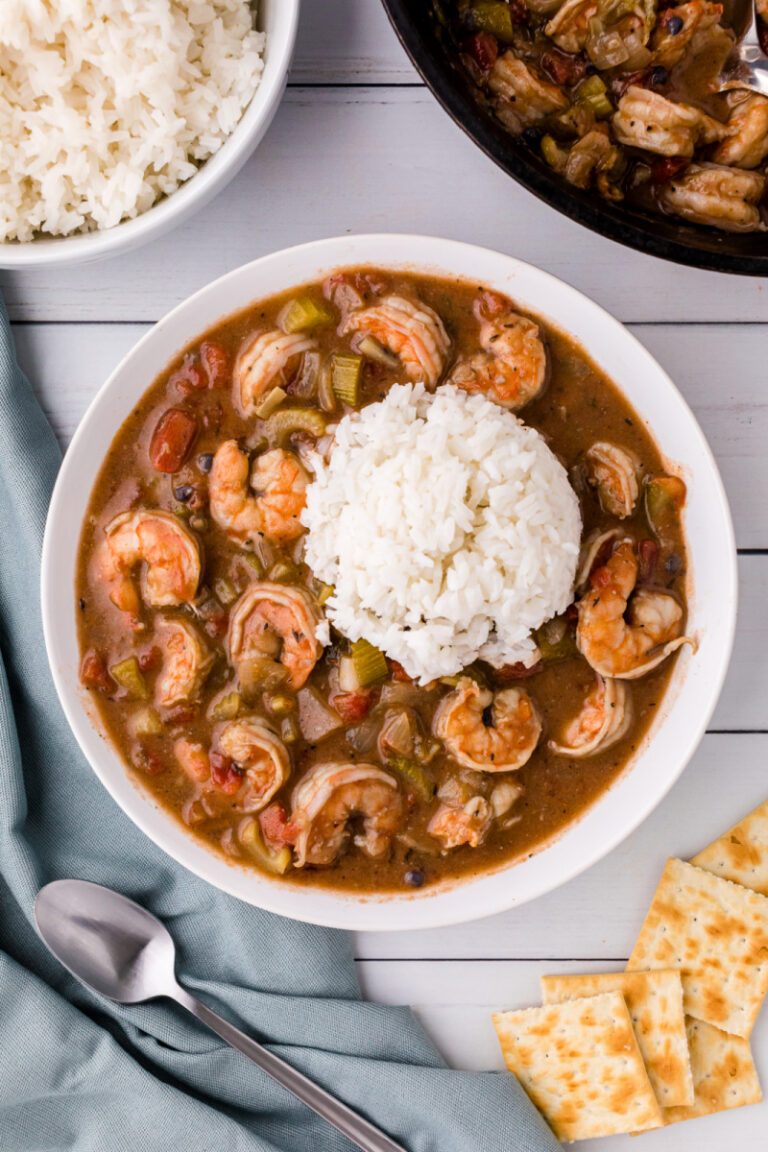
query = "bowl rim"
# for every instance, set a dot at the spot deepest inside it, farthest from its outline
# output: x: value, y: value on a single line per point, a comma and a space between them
x: 583, y: 208
x: 193, y: 194
x: 469, y: 898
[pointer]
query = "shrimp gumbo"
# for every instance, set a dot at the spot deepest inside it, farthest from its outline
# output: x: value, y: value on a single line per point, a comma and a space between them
x: 209, y: 647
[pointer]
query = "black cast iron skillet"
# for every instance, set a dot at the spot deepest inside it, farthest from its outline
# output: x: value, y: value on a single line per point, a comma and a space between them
x: 431, y: 52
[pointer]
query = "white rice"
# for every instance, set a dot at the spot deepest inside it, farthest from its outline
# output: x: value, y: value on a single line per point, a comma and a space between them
x: 447, y: 527
x: 108, y: 105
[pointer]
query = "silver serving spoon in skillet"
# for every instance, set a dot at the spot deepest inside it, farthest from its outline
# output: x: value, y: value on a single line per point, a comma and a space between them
x: 124, y: 953
x: 748, y: 66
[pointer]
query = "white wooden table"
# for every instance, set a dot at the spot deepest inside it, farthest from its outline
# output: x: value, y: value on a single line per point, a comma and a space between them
x: 360, y: 145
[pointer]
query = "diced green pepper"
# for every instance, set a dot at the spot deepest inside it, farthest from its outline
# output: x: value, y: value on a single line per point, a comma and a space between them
x: 369, y: 662
x: 325, y: 594
x: 226, y: 707
x: 370, y: 347
x: 128, y: 675
x: 283, y: 424
x: 664, y: 497
x: 270, y: 403
x: 494, y: 17
x: 345, y: 377
x: 252, y: 839
x: 416, y: 776
x: 305, y: 314
x: 556, y: 643
x: 282, y: 570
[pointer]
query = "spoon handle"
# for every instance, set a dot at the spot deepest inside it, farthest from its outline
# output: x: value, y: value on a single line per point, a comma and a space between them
x: 352, y: 1125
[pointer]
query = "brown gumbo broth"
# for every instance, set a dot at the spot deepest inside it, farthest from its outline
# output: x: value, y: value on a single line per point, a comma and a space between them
x: 173, y: 744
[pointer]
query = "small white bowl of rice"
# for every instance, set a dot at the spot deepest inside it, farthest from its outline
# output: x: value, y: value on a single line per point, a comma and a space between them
x: 406, y: 460
x: 121, y: 118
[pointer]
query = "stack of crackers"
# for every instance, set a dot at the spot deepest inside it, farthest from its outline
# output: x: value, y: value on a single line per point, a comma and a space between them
x: 668, y: 1039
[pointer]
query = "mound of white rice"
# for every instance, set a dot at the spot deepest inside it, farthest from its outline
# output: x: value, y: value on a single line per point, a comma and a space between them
x: 447, y: 527
x: 107, y: 105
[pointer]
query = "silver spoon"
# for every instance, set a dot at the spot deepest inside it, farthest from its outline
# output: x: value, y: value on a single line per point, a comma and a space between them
x: 748, y: 67
x: 123, y: 952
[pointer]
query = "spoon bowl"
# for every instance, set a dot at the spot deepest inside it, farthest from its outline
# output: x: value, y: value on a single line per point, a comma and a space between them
x: 110, y: 943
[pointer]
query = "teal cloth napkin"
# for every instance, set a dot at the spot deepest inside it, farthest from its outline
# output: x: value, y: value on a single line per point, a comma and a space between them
x: 82, y: 1074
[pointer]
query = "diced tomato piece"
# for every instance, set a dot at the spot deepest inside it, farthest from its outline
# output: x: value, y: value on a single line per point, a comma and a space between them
x: 482, y: 49
x: 215, y: 361
x: 275, y: 828
x: 518, y: 11
x: 172, y: 439
x: 666, y: 168
x: 508, y: 673
x: 188, y: 378
x: 149, y: 659
x: 353, y: 706
x: 225, y: 773
x: 93, y: 672
x: 648, y: 558
x: 398, y: 672
x: 153, y: 762
x: 562, y: 67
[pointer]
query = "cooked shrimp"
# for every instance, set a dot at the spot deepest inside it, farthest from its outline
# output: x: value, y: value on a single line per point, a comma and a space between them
x: 186, y: 662
x: 263, y: 758
x: 274, y: 622
x: 613, y: 472
x: 746, y: 145
x: 467, y: 824
x: 512, y: 368
x: 270, y: 359
x: 624, y: 638
x: 524, y: 99
x: 504, y: 745
x: 603, y: 720
x: 646, y: 119
x: 330, y: 797
x: 669, y: 42
x: 410, y: 330
x: 726, y: 198
x: 161, y: 542
x: 570, y: 27
x: 273, y: 510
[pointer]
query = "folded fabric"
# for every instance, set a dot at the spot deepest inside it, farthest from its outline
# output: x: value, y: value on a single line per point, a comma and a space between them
x: 80, y: 1073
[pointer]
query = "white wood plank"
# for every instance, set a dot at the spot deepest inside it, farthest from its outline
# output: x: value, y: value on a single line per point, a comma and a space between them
x: 358, y: 160
x: 598, y: 914
x: 349, y: 42
x: 719, y: 368
x: 454, y: 1001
